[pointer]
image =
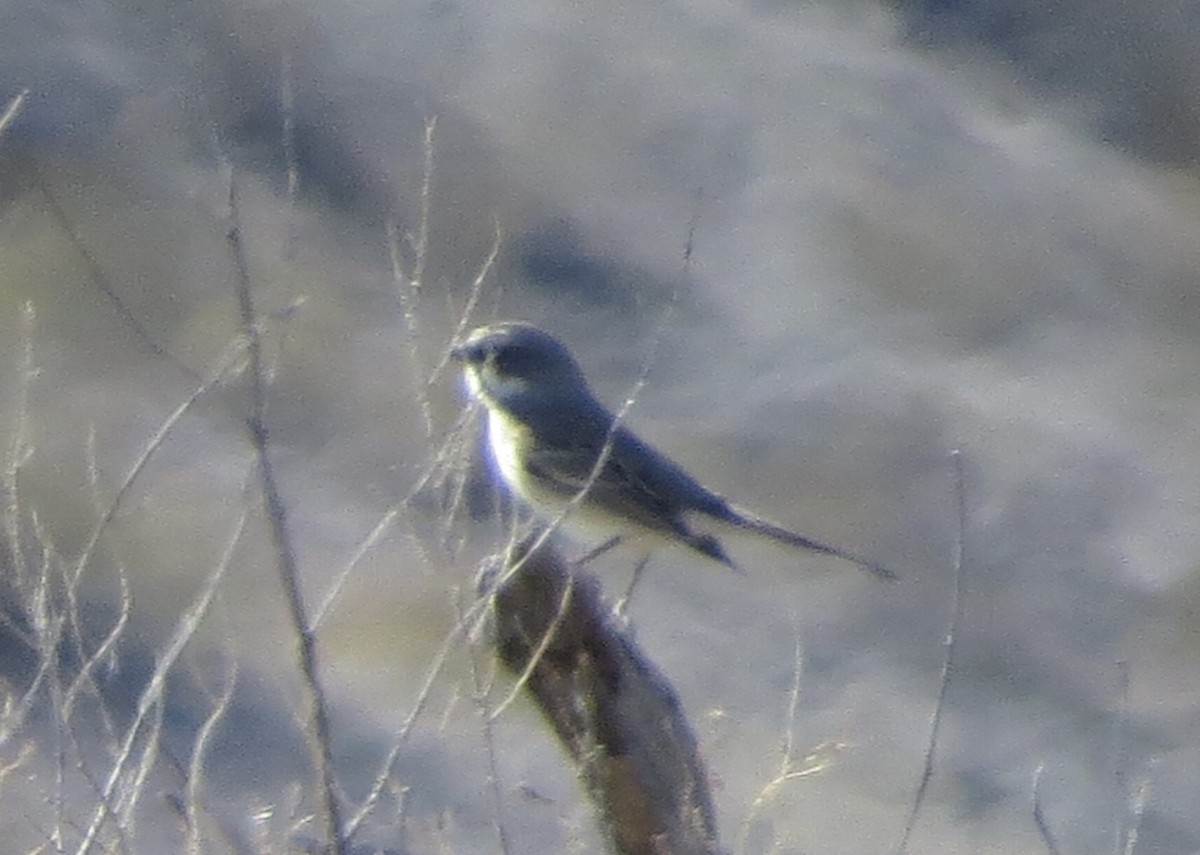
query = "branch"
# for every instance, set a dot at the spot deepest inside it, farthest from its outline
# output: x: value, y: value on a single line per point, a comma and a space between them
x: 616, y: 715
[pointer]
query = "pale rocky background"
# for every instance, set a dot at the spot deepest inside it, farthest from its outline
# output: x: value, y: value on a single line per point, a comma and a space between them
x: 918, y: 227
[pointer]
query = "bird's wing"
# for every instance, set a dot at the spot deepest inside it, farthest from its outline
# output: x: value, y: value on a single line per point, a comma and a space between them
x: 636, y: 481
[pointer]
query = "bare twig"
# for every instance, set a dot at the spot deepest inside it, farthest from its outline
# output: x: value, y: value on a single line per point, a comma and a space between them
x: 451, y: 475
x: 23, y: 756
x: 408, y: 293
x: 17, y: 455
x: 1039, y: 816
x: 539, y: 649
x: 368, y: 543
x: 319, y: 734
x: 12, y: 110
x: 487, y: 722
x: 409, y: 282
x: 1133, y: 795
x: 791, y: 767
x: 195, y: 772
x: 443, y: 460
x: 130, y: 793
x: 107, y: 648
x: 287, y: 98
x: 383, y: 775
x: 151, y: 696
x: 229, y: 361
x: 948, y: 644
x: 451, y: 450
x: 100, y: 279
x: 468, y: 310
x: 1136, y: 810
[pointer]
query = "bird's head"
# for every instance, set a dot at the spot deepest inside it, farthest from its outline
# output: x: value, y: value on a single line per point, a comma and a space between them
x: 508, y: 363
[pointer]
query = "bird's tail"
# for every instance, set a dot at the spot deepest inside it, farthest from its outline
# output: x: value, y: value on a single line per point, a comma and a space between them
x: 750, y: 522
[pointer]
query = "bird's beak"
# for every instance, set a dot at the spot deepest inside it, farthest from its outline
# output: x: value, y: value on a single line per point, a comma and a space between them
x: 459, y: 352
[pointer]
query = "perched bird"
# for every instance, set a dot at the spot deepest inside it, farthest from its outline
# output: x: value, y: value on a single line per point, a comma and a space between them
x: 547, y: 431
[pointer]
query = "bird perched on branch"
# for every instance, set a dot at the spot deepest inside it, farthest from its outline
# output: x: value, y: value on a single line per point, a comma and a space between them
x: 561, y: 450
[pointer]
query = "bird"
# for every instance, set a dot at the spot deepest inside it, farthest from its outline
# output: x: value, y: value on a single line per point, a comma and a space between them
x: 547, y: 431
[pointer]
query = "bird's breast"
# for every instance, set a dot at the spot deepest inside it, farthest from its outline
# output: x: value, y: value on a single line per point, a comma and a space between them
x: 507, y: 438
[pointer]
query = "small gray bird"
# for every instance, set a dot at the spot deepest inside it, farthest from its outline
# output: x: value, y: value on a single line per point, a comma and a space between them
x: 546, y: 431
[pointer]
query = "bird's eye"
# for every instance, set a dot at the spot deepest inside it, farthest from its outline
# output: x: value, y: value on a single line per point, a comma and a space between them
x: 512, y: 360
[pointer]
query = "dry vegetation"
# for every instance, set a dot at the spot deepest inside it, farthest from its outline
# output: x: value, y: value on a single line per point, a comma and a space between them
x: 108, y: 744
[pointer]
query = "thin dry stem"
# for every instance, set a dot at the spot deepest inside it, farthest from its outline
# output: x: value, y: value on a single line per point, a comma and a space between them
x: 451, y: 450
x: 482, y: 690
x: 287, y: 98
x: 789, y: 733
x: 468, y: 310
x: 26, y: 751
x: 410, y: 282
x: 107, y: 647
x: 18, y: 453
x: 449, y: 644
x: 539, y: 651
x: 935, y: 721
x: 75, y: 574
x: 1137, y: 809
x: 319, y: 730
x: 1133, y: 797
x: 100, y: 279
x: 339, y: 581
x: 12, y: 110
x: 151, y: 696
x: 1120, y: 747
x: 409, y: 292
x: 129, y: 795
x: 1039, y: 816
x: 195, y: 772
x: 814, y: 762
x: 46, y: 627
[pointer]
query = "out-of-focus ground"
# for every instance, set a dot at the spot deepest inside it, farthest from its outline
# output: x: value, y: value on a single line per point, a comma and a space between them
x: 918, y: 227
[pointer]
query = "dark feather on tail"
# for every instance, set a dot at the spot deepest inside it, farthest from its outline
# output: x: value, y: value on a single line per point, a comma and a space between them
x: 748, y: 521
x: 706, y: 544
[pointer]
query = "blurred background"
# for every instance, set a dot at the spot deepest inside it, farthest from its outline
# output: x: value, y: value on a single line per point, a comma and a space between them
x: 915, y: 227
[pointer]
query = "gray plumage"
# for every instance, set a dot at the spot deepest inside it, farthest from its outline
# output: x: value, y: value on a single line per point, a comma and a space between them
x: 547, y: 431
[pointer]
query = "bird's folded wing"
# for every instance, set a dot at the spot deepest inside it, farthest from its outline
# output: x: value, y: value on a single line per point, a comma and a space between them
x: 635, y: 481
